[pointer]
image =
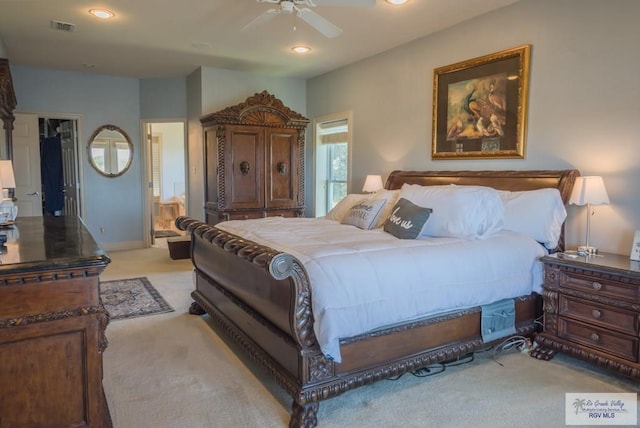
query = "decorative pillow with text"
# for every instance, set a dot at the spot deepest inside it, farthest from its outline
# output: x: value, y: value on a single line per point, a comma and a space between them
x: 364, y: 214
x: 407, y: 219
x: 341, y: 209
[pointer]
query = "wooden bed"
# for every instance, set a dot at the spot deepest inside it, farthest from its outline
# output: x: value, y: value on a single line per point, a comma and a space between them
x: 261, y: 298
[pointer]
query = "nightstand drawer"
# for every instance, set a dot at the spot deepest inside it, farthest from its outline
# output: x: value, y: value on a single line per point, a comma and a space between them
x: 605, y: 287
x: 611, y: 343
x: 603, y: 316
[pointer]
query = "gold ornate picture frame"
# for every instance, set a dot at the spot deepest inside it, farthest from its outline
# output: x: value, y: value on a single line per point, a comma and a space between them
x: 480, y: 107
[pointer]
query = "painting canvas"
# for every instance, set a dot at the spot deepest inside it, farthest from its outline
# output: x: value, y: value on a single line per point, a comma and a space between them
x: 480, y: 107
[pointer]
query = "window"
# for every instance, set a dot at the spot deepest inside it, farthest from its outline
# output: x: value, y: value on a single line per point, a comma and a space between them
x: 332, y: 161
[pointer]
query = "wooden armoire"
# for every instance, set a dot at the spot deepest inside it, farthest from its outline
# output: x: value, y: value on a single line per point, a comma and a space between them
x: 254, y: 160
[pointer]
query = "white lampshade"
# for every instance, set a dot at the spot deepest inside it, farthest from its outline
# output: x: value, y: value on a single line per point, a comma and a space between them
x: 7, y: 179
x: 373, y: 183
x: 589, y: 190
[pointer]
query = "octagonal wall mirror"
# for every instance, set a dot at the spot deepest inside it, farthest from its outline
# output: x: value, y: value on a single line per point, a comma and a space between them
x: 110, y: 151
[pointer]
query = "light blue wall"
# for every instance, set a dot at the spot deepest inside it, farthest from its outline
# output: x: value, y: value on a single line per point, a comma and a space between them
x: 583, y: 106
x: 113, y: 204
x: 224, y: 88
x: 163, y: 98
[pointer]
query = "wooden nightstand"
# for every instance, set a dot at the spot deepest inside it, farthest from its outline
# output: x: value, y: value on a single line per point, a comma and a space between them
x: 592, y: 310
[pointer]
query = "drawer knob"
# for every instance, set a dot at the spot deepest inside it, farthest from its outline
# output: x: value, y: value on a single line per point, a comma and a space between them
x: 595, y: 337
x: 596, y: 313
x: 597, y: 286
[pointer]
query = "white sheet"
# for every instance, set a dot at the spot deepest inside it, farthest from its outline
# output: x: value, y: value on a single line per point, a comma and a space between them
x: 365, y: 279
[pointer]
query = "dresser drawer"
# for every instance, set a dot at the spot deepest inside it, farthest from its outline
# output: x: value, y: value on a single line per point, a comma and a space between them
x: 284, y: 213
x: 612, y: 343
x: 604, y: 287
x: 243, y: 215
x: 601, y: 315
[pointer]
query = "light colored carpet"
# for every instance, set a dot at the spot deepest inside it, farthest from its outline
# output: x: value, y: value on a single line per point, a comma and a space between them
x: 173, y: 370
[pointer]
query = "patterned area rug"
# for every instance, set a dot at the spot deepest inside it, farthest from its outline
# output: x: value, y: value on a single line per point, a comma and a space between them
x: 131, y: 298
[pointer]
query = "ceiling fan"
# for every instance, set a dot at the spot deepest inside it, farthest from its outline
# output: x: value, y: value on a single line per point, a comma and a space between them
x: 300, y: 9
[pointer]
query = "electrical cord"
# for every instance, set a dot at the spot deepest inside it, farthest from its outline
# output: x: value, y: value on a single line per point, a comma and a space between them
x: 517, y: 343
x: 438, y: 368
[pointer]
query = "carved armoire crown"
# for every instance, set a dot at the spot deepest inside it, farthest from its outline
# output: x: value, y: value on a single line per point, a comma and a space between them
x: 254, y: 160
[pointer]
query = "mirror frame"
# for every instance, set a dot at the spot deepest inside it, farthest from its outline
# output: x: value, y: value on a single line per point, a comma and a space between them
x: 126, y: 137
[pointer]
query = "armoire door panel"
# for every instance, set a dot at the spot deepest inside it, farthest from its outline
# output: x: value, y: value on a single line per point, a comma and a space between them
x: 281, y: 152
x: 244, y: 182
x: 255, y: 168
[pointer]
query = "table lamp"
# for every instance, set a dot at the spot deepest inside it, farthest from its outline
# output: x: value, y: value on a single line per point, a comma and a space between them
x: 7, y: 178
x: 372, y: 184
x: 7, y: 184
x: 589, y: 190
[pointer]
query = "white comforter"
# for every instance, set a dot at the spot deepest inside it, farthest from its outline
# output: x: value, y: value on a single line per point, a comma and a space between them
x: 366, y: 279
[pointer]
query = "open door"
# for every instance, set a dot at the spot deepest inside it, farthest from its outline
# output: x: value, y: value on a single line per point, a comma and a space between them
x: 29, y: 134
x: 26, y: 165
x: 70, y: 167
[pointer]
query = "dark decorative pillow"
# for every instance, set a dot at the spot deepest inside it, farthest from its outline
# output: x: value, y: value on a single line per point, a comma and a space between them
x: 407, y: 219
x: 364, y: 214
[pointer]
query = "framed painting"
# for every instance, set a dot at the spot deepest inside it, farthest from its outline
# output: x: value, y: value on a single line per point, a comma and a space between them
x: 480, y: 107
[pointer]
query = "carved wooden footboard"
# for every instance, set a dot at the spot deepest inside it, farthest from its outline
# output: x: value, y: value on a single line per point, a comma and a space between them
x: 262, y: 300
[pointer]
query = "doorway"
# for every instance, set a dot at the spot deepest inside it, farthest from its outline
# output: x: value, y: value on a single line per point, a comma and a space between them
x: 46, y: 165
x: 59, y: 166
x: 166, y: 179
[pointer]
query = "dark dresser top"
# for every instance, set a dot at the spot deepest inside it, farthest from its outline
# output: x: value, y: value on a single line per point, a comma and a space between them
x: 602, y: 262
x: 42, y: 243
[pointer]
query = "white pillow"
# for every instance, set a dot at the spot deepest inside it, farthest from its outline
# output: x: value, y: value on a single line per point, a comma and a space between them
x: 341, y: 209
x: 535, y: 213
x: 364, y: 214
x: 467, y: 212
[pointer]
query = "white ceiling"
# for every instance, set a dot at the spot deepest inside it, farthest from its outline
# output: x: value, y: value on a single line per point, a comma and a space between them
x: 168, y: 38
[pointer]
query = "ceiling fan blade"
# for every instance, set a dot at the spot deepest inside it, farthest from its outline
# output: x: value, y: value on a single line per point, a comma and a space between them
x: 262, y: 18
x: 319, y: 23
x: 344, y: 2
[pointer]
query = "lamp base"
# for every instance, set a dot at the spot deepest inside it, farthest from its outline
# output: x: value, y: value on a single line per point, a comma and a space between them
x: 8, y: 210
x: 586, y: 250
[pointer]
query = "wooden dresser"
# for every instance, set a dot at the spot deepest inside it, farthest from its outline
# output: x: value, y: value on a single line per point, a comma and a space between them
x: 52, y: 325
x: 254, y: 160
x: 592, y: 310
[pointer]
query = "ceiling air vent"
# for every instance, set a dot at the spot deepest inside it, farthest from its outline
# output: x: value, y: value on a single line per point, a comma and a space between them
x: 62, y: 26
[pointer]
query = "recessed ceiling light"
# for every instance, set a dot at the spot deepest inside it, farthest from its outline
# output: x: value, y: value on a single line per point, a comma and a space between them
x: 397, y: 1
x: 102, y: 13
x: 301, y: 49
